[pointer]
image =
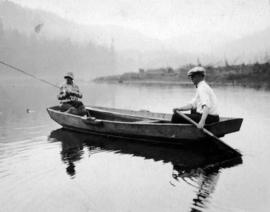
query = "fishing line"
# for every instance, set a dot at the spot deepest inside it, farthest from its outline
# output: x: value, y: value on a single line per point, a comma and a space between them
x: 30, y: 75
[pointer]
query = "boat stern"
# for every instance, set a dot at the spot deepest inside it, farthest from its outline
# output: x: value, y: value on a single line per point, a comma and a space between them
x: 230, y: 125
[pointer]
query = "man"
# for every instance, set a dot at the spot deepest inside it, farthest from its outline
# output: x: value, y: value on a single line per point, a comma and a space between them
x: 69, y: 97
x: 204, y: 105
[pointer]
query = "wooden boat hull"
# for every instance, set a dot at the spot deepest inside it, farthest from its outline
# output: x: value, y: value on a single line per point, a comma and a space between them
x: 139, y: 125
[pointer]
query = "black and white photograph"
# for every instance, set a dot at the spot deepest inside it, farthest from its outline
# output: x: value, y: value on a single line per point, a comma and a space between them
x: 134, y: 105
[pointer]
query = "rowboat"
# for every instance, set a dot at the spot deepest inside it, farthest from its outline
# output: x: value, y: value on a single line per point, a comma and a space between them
x: 141, y: 124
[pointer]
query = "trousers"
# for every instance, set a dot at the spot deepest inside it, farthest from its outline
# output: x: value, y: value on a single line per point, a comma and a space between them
x: 195, y: 117
x: 74, y: 107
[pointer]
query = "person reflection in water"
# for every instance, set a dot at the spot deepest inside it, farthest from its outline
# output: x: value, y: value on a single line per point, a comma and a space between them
x: 206, y: 181
x: 71, y: 169
x: 70, y: 154
x: 72, y: 148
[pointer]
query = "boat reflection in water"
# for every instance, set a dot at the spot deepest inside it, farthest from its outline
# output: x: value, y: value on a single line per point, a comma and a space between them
x: 198, y: 166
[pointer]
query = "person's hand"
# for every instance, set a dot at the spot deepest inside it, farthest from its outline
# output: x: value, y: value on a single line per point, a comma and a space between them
x: 71, y: 93
x: 201, y: 125
x: 67, y: 93
x: 61, y: 95
x: 74, y: 94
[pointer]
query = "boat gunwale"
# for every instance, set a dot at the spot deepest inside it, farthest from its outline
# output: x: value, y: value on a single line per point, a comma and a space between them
x: 139, y: 122
x: 122, y: 122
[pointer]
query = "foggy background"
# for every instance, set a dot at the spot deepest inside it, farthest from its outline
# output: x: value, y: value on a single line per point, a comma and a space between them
x: 96, y: 38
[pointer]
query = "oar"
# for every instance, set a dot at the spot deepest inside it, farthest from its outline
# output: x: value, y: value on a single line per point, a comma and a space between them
x: 207, y: 132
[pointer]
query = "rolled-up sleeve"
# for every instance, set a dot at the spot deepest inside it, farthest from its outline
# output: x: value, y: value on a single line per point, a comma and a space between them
x: 204, y: 97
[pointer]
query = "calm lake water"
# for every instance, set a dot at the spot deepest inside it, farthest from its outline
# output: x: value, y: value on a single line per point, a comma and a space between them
x: 45, y: 168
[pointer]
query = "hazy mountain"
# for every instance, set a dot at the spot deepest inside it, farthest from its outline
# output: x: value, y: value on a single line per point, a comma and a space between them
x: 249, y: 49
x: 132, y: 49
x: 52, y: 58
x: 25, y: 20
x: 26, y: 42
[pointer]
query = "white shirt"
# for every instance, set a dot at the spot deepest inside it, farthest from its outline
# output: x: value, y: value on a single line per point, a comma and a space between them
x: 205, y: 96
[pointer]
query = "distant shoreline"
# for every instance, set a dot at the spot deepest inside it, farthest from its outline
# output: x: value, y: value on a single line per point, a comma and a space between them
x: 250, y: 75
x: 145, y: 82
x: 186, y: 84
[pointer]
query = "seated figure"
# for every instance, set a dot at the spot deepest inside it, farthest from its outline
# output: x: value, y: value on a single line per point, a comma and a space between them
x: 69, y: 97
x: 203, y: 105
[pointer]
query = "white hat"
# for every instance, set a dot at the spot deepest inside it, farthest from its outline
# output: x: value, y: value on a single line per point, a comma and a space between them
x: 197, y: 69
x: 70, y: 75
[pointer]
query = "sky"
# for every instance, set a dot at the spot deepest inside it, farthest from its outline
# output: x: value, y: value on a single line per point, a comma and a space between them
x: 166, y: 19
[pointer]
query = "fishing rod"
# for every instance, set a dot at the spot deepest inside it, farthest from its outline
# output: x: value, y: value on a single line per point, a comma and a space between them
x: 30, y: 75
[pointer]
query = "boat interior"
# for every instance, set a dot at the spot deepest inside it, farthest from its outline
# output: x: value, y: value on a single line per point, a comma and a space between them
x: 123, y: 115
x: 113, y: 116
x: 142, y: 116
